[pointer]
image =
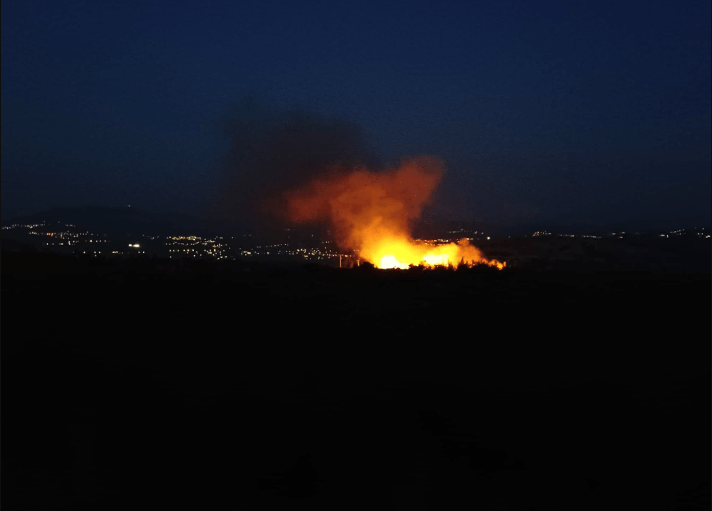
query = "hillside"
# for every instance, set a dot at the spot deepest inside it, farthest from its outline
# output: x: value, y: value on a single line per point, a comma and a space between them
x: 248, y: 386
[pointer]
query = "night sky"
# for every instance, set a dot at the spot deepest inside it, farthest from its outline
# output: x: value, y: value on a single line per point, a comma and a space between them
x: 557, y: 112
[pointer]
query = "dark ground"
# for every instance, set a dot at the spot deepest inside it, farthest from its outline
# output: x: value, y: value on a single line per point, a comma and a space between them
x: 145, y: 384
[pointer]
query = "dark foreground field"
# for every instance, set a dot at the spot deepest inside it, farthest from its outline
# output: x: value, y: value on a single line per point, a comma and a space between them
x: 149, y: 385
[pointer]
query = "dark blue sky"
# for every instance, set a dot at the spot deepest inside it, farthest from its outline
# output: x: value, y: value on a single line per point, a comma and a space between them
x: 551, y: 111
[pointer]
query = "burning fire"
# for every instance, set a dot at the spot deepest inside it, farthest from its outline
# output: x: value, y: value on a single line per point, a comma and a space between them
x: 371, y: 213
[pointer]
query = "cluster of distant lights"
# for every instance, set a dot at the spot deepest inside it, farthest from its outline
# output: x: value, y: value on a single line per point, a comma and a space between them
x: 283, y: 249
x: 71, y: 238
x: 463, y: 230
x: 620, y: 235
x: 18, y: 226
x: 681, y: 232
x: 302, y: 252
x: 199, y: 247
x: 444, y: 241
x: 196, y: 246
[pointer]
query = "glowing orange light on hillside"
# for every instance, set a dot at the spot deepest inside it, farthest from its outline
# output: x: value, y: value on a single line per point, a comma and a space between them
x: 371, y: 213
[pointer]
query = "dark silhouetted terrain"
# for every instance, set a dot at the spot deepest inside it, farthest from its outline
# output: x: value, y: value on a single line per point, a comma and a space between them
x: 248, y: 386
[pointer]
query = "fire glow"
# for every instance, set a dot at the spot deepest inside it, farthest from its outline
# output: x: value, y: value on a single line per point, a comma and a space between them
x: 371, y: 213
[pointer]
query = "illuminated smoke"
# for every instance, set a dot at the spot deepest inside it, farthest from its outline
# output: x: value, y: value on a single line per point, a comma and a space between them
x: 371, y: 213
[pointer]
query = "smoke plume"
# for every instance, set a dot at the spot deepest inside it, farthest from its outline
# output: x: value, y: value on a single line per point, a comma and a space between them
x: 271, y: 151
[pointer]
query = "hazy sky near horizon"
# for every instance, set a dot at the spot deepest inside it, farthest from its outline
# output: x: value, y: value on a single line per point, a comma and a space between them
x: 583, y: 112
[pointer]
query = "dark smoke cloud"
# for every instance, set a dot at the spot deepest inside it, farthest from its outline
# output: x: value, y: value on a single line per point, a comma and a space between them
x: 272, y: 150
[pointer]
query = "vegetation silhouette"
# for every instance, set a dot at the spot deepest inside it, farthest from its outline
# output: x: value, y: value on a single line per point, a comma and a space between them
x: 184, y: 383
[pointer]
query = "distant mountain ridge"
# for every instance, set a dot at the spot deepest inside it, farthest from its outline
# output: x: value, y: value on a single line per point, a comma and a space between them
x: 129, y: 220
x: 115, y: 221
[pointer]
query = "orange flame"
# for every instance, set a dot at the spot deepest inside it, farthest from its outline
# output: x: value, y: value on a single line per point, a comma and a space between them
x: 371, y: 213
